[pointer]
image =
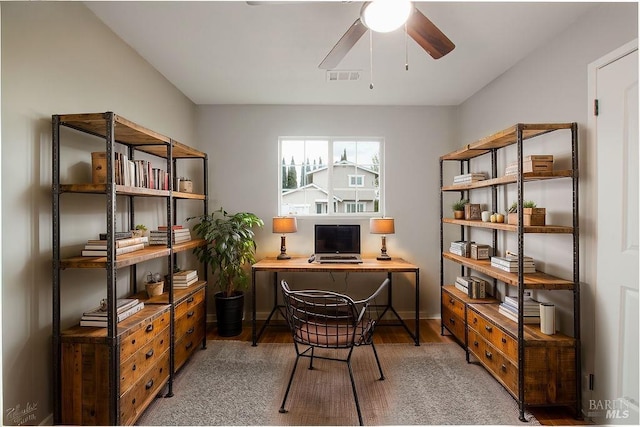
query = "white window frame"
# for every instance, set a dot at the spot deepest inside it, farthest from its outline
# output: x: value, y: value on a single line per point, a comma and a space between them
x: 353, y: 180
x: 333, y: 213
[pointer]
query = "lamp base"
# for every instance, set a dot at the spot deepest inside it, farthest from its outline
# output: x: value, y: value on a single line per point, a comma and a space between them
x: 283, y: 256
x: 383, y: 257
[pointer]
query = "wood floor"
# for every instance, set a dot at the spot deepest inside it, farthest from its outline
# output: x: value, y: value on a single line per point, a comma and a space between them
x: 429, y: 333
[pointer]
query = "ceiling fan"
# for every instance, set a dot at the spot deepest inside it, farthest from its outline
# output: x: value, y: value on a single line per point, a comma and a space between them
x: 418, y: 27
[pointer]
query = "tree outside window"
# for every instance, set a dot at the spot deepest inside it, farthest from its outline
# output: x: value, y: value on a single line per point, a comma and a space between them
x: 349, y: 183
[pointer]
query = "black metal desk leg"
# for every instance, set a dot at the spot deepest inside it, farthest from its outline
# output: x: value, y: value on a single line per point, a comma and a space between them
x: 417, y: 307
x: 253, y: 309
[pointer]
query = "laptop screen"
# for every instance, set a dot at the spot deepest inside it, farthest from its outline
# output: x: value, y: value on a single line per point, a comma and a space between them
x: 337, y: 239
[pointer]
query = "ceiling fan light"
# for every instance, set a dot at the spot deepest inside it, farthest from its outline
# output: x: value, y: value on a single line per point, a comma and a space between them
x: 384, y: 16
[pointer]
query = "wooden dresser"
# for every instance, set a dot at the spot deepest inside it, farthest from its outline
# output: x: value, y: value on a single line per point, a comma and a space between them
x: 142, y: 346
x: 549, y: 360
x: 190, y: 318
x: 454, y: 311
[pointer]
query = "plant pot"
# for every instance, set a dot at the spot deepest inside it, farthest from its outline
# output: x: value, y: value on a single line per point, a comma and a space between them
x: 229, y: 312
x: 154, y: 289
x: 458, y: 214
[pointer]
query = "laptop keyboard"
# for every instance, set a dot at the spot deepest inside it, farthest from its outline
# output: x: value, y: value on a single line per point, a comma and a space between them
x: 337, y: 257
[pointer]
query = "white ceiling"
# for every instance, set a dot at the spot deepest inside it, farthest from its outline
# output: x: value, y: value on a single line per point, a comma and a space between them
x: 230, y: 52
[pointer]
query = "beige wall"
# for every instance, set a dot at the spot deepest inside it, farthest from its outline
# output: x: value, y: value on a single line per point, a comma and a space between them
x: 59, y: 58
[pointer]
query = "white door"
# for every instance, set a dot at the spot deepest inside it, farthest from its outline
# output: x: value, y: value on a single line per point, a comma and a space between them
x: 615, y: 382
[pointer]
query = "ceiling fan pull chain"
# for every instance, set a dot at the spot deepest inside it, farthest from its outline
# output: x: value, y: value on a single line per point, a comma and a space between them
x: 371, y: 59
x: 406, y: 48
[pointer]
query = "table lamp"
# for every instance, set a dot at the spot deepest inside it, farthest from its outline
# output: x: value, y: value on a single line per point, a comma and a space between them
x: 382, y: 226
x: 283, y: 225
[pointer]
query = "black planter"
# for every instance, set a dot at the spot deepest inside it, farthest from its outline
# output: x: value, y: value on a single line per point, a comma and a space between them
x: 229, y: 311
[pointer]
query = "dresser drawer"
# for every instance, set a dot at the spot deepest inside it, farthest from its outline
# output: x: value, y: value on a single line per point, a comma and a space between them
x: 135, y: 400
x: 187, y: 344
x: 494, y: 335
x: 494, y: 361
x: 146, y: 332
x: 137, y: 365
x: 189, y: 320
x: 454, y: 304
x: 189, y: 303
x: 453, y: 323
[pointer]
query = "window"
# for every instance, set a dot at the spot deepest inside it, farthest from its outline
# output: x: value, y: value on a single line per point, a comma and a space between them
x: 330, y: 176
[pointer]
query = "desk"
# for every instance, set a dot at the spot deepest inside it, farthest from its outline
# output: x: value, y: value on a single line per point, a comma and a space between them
x: 301, y: 265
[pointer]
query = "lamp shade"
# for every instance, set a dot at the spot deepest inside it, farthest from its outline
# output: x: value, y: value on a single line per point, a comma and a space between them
x: 384, y: 16
x: 381, y: 226
x: 285, y: 224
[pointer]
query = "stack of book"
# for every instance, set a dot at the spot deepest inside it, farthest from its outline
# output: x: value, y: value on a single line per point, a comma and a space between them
x: 184, y: 279
x: 461, y: 247
x: 98, y: 316
x: 468, y: 178
x: 122, y: 246
x: 178, y: 235
x: 472, y: 286
x: 531, y: 309
x: 510, y: 264
x: 533, y: 163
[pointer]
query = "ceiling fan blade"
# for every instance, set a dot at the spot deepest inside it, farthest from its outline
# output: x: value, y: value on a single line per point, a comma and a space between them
x: 344, y: 45
x: 428, y: 36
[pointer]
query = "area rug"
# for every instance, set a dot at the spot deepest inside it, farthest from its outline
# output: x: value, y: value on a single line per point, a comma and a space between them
x: 233, y: 383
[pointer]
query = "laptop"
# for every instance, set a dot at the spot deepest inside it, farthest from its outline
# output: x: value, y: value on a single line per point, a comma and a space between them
x: 337, y: 244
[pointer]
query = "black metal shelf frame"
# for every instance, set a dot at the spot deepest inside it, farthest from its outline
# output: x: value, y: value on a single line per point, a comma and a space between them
x: 111, y: 199
x: 465, y: 166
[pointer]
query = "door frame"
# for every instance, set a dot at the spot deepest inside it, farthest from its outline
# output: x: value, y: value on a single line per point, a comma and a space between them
x: 588, y: 246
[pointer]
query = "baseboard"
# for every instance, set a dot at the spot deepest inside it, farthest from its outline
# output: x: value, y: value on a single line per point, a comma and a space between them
x: 261, y: 316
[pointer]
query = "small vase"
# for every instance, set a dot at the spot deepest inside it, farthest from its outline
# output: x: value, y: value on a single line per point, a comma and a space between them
x: 458, y: 214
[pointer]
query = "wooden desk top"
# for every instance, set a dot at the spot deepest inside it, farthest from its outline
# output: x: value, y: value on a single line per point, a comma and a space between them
x: 302, y: 264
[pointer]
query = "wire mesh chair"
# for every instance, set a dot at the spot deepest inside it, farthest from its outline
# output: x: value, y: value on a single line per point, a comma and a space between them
x: 329, y: 320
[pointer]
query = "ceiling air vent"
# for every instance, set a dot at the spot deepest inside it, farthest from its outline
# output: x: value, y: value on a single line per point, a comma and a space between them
x: 343, y: 75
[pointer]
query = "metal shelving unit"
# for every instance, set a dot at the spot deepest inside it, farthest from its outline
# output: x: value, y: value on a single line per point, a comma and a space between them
x: 517, y: 135
x: 114, y: 130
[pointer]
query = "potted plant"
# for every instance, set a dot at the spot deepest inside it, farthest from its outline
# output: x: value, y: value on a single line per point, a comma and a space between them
x: 230, y: 247
x: 532, y: 215
x: 458, y: 208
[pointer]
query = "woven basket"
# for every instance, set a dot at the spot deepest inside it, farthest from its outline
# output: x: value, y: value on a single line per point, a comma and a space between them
x: 154, y: 289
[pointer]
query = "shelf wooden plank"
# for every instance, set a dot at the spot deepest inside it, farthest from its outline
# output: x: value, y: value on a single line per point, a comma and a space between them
x: 537, y: 280
x: 503, y: 138
x: 546, y: 229
x: 99, y: 335
x: 510, y: 179
x: 130, y: 133
x: 123, y: 190
x: 533, y: 337
x: 125, y: 260
x: 178, y: 294
x: 466, y: 299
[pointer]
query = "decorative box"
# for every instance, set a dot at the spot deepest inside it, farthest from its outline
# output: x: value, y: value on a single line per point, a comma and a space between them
x: 532, y: 216
x: 472, y: 211
x: 481, y: 251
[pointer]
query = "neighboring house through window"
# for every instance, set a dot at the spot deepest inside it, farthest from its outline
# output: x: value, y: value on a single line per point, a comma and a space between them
x: 330, y: 176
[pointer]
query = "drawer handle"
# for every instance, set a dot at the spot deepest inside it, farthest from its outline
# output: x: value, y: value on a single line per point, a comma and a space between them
x: 149, y: 328
x: 148, y: 385
x: 452, y: 321
x: 504, y: 340
x: 190, y: 314
x: 475, y: 320
x: 451, y: 301
x: 133, y: 368
x: 488, y: 328
x: 504, y: 368
x: 149, y: 353
x: 488, y: 354
x: 188, y: 346
x: 190, y: 300
x: 190, y: 331
x: 475, y: 343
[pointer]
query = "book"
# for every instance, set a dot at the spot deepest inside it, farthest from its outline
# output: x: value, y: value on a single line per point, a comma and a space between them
x: 117, y: 235
x: 185, y: 275
x: 120, y: 317
x: 183, y: 285
x: 122, y: 304
x: 173, y: 227
x: 510, y: 315
x: 119, y: 251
